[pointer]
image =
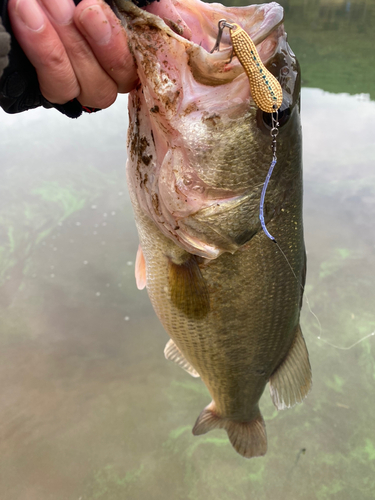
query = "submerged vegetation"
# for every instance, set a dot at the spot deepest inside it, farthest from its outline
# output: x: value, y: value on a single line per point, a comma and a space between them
x: 90, y: 407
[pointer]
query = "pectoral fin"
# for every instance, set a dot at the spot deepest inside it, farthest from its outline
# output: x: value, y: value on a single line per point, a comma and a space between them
x: 140, y: 269
x: 173, y: 353
x: 188, y: 289
x: 291, y: 381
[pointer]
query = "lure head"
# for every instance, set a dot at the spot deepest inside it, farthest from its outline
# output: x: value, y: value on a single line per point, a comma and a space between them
x: 265, y: 89
x: 233, y: 27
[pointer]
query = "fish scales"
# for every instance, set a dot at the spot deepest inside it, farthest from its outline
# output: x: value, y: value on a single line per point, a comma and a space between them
x: 199, y: 152
x: 228, y: 368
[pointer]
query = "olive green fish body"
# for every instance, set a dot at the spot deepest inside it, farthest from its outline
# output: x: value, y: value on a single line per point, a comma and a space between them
x: 198, y: 155
x: 238, y: 340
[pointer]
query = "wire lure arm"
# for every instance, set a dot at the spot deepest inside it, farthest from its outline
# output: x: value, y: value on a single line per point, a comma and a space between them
x: 221, y: 25
x: 274, y: 132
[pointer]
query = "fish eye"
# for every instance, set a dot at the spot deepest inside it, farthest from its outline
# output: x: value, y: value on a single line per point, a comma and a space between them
x: 284, y: 114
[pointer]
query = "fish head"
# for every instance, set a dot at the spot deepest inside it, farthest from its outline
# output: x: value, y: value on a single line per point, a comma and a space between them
x: 199, y: 147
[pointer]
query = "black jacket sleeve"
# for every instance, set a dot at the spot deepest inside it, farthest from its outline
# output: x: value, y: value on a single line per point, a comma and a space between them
x: 4, y: 48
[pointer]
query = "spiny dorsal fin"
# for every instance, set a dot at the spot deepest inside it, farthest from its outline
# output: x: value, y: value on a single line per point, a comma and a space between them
x: 140, y: 269
x: 173, y: 353
x: 249, y: 439
x: 291, y: 382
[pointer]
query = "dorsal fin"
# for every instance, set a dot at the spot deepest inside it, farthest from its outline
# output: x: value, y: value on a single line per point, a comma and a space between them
x: 291, y: 381
x: 173, y: 353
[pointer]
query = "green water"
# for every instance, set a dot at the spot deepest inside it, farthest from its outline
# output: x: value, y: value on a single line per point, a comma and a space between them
x: 89, y: 407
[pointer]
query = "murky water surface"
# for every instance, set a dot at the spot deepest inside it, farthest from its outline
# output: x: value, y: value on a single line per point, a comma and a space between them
x: 89, y: 407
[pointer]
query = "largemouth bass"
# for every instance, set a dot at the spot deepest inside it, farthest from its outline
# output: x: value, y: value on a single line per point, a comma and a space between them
x: 198, y: 155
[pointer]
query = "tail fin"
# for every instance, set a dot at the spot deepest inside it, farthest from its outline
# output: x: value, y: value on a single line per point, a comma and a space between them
x: 249, y: 439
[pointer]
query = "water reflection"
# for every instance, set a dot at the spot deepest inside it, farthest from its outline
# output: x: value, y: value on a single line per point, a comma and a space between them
x: 340, y: 198
x: 334, y: 40
x: 89, y: 408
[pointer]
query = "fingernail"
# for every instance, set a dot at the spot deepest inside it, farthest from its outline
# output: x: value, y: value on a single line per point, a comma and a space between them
x: 61, y: 11
x: 31, y: 14
x: 96, y: 24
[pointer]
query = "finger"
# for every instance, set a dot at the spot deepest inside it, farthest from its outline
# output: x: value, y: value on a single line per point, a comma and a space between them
x: 44, y: 49
x: 98, y: 89
x: 107, y: 39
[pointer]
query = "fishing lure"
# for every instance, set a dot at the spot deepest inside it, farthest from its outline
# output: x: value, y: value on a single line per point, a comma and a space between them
x: 266, y: 91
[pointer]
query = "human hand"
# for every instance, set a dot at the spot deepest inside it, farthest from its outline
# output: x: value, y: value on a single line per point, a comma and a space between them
x: 78, y: 52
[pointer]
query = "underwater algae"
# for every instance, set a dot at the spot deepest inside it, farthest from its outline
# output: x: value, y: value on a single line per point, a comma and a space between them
x: 110, y: 435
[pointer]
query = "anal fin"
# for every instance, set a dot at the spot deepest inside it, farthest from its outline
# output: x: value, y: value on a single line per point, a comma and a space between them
x: 291, y: 381
x: 173, y: 353
x: 249, y: 439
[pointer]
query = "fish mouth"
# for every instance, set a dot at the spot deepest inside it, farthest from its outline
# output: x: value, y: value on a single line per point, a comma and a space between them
x: 195, y: 24
x: 265, y: 19
x: 273, y: 18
